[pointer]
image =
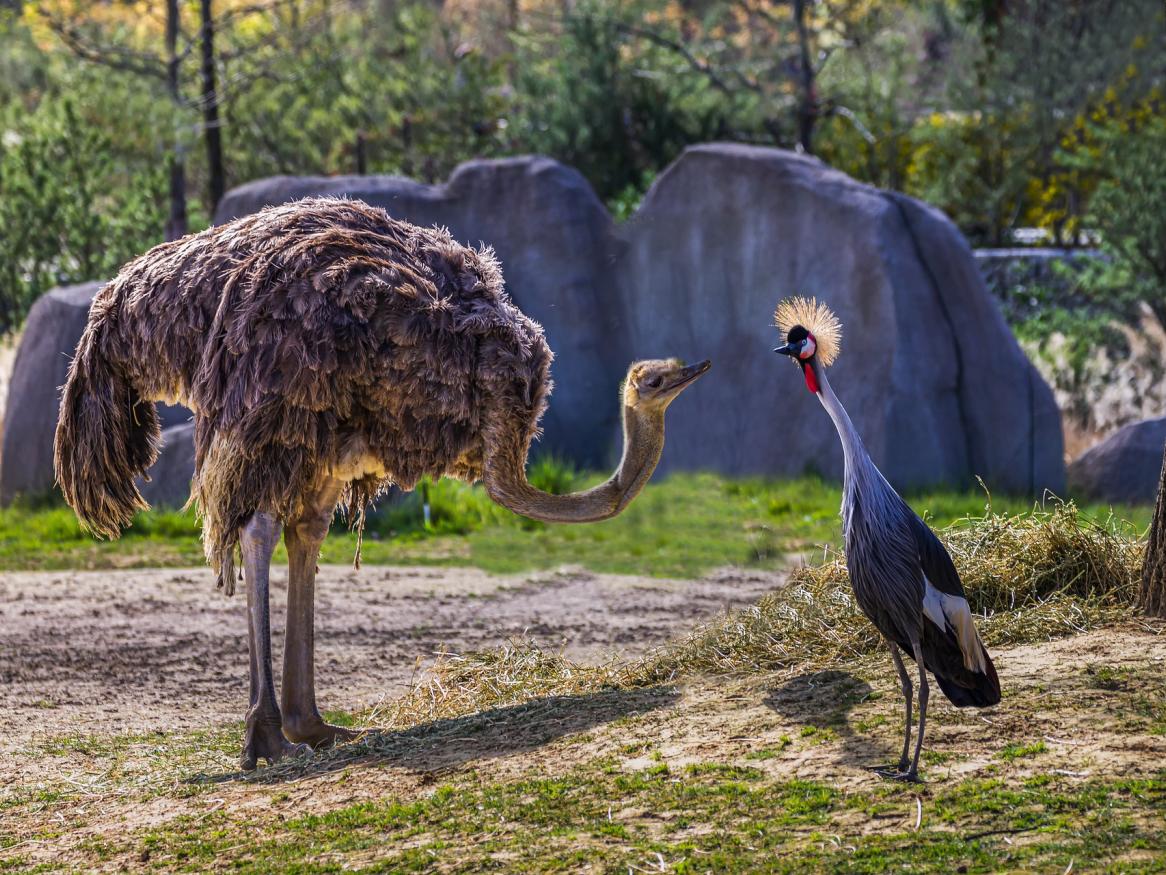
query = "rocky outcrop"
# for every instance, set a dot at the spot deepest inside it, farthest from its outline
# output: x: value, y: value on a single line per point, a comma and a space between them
x: 1123, y: 468
x: 929, y: 371
x: 47, y: 343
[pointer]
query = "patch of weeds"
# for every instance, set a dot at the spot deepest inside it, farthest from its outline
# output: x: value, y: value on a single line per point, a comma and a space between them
x: 724, y: 770
x: 1104, y: 677
x: 873, y: 722
x: 938, y: 757
x: 820, y: 734
x: 768, y: 753
x: 1017, y: 750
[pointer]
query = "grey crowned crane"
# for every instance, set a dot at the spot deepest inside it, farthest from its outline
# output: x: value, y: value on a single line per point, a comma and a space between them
x: 902, y: 576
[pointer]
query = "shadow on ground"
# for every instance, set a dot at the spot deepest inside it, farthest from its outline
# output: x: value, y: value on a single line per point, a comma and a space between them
x: 824, y: 699
x: 443, y: 745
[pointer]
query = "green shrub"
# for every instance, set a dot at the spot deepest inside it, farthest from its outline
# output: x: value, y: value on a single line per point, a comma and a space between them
x: 1127, y: 211
x: 67, y: 212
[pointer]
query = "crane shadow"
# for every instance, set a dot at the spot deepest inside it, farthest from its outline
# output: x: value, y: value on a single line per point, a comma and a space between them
x: 824, y: 700
x: 443, y: 745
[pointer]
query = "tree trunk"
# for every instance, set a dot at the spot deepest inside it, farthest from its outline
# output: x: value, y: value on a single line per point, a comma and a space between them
x: 176, y: 223
x: 216, y: 182
x: 807, y: 96
x: 1153, y: 596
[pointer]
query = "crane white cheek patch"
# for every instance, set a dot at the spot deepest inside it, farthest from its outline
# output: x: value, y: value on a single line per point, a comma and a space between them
x: 952, y: 611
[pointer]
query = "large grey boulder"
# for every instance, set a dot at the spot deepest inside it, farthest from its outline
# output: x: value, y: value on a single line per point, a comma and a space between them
x: 169, y: 483
x: 47, y: 343
x: 1124, y: 467
x: 30, y: 416
x: 930, y: 372
x: 555, y: 240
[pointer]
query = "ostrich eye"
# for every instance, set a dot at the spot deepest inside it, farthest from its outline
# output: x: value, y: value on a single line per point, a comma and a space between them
x: 653, y: 382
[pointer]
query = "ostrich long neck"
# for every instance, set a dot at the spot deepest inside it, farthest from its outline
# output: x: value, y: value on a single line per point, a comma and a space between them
x: 643, y: 441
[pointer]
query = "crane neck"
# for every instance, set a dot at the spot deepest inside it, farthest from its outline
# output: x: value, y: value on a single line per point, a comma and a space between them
x: 853, y: 450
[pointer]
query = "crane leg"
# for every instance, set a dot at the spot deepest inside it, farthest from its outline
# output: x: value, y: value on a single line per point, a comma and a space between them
x: 913, y: 773
x: 263, y: 738
x: 905, y: 683
x: 303, y: 537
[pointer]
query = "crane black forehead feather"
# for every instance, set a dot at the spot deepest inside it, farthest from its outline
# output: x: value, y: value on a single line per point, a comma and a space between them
x: 797, y: 334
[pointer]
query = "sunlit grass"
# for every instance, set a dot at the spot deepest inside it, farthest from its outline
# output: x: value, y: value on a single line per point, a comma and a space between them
x: 681, y: 526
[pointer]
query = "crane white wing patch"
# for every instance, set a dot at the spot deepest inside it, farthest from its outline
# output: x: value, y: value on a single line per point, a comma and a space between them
x: 952, y: 611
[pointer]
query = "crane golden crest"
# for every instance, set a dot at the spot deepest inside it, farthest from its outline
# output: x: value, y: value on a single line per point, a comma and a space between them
x: 816, y: 318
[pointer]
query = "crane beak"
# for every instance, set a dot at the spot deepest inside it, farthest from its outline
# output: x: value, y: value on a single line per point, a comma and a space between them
x: 787, y: 349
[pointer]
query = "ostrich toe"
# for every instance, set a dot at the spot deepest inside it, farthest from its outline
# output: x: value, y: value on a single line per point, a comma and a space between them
x: 316, y: 732
x: 265, y: 740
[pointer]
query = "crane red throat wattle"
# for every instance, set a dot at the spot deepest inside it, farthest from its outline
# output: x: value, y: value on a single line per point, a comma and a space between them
x: 806, y: 360
x: 811, y: 377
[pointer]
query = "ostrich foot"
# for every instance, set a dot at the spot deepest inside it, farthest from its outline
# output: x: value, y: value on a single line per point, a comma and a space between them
x: 264, y: 740
x: 314, y: 731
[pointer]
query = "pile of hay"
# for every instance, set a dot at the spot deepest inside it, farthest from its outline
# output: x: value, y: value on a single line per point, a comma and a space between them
x: 1029, y: 577
x: 511, y: 675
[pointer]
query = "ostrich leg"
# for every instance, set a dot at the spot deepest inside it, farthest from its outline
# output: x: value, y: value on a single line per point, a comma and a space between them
x: 264, y: 737
x: 303, y: 537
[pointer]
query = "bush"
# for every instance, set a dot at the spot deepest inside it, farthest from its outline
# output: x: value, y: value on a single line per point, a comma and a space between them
x: 66, y: 212
x: 1127, y: 211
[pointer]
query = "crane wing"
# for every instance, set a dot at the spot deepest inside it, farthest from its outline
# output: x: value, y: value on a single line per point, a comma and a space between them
x: 937, y: 565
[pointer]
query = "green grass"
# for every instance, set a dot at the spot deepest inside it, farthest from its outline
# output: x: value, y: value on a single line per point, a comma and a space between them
x: 681, y: 526
x: 608, y: 818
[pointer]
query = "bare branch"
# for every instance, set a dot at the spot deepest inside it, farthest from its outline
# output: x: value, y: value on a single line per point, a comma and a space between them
x: 114, y: 57
x: 715, y: 77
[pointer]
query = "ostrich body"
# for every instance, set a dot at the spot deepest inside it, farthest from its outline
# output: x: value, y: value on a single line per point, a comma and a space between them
x: 327, y: 351
x: 902, y: 576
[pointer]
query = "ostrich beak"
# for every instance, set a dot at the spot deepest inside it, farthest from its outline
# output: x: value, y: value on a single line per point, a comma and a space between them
x: 689, y: 374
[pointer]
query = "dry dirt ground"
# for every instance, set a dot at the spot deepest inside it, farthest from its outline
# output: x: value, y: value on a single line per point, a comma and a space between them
x: 157, y: 650
x: 119, y: 694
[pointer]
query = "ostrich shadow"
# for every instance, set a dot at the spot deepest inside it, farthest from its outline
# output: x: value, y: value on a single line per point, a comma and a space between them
x: 431, y: 749
x: 824, y: 699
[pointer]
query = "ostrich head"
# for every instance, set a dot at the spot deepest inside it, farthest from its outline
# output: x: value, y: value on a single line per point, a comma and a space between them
x: 652, y: 385
x: 813, y: 335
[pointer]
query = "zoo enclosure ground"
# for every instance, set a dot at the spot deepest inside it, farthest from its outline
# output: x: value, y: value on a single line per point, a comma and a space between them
x: 740, y: 773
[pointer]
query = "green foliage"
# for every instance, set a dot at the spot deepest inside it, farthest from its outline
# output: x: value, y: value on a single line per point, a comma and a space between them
x: 624, y: 204
x: 552, y: 474
x: 1082, y: 332
x: 393, y: 78
x: 1127, y: 211
x: 984, y: 109
x: 66, y: 211
x: 618, y: 107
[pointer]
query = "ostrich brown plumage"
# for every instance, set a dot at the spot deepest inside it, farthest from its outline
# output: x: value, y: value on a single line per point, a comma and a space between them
x: 327, y: 351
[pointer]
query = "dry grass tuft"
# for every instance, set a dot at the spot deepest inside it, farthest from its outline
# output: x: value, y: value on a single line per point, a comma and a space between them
x: 512, y: 675
x: 1030, y: 577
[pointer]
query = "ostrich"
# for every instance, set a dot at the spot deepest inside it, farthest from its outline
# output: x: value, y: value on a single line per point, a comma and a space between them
x: 327, y: 351
x: 903, y: 578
